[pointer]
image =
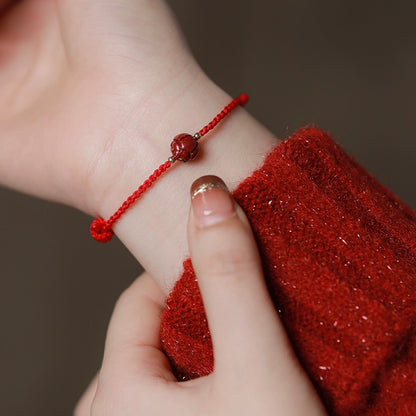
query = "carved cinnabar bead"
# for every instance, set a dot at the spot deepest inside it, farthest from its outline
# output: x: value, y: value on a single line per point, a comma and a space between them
x: 184, y: 147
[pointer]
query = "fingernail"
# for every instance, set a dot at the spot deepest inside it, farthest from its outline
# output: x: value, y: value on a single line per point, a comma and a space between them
x: 211, y: 201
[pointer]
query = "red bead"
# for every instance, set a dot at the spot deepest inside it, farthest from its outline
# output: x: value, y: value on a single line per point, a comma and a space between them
x: 184, y: 147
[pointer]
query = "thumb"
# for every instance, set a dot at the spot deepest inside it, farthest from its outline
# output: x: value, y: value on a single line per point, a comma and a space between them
x: 241, y: 316
x: 132, y: 348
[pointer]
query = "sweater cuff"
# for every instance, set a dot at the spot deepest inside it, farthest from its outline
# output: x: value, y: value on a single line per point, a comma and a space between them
x: 339, y: 257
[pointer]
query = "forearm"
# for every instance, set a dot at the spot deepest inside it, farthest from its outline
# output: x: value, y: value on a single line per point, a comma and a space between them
x: 97, y: 111
x: 154, y: 228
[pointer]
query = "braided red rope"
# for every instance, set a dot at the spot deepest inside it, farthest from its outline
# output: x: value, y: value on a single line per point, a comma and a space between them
x: 184, y: 147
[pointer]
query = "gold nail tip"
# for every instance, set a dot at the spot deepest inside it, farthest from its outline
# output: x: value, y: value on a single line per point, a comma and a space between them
x: 205, y: 183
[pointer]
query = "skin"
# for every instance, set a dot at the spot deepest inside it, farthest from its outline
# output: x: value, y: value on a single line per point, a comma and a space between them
x: 135, y: 377
x: 91, y: 94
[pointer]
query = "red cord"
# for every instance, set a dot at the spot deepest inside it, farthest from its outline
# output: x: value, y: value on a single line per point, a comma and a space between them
x: 101, y: 229
x: 240, y: 100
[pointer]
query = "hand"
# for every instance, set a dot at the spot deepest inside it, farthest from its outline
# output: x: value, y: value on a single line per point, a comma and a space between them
x: 92, y: 92
x: 256, y: 371
x: 82, y: 83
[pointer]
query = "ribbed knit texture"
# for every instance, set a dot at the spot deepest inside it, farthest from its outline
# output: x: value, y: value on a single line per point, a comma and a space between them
x: 339, y: 255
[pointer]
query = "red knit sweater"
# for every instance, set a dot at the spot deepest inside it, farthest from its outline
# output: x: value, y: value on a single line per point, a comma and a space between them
x: 339, y: 256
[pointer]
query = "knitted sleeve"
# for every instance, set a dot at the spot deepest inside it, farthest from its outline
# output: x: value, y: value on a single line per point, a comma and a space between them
x: 339, y: 256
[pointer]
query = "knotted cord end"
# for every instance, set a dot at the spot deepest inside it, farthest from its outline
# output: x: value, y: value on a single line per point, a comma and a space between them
x: 243, y: 99
x: 101, y: 231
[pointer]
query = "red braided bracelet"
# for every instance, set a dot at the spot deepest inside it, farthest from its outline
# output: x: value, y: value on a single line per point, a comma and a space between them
x: 184, y: 147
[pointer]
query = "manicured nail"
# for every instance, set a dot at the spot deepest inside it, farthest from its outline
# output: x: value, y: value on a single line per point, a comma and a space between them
x: 211, y: 201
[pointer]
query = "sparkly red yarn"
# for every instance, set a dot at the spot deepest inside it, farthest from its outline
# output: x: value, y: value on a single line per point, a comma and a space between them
x: 339, y: 255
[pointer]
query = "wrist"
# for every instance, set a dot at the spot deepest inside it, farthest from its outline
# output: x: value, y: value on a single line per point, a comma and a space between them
x: 154, y: 227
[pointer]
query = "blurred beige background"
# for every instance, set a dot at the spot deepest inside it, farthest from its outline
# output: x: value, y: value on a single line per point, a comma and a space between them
x: 348, y: 66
